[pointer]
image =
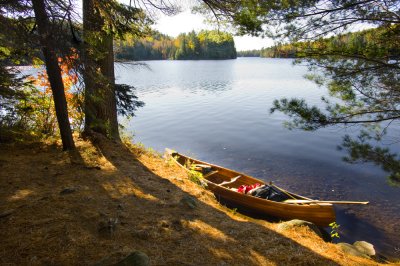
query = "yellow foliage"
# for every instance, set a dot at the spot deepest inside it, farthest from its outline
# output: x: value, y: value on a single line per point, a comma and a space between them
x: 177, y: 42
x: 191, y: 45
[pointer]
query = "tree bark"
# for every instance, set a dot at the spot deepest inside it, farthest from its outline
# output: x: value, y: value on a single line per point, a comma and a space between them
x: 54, y: 74
x: 99, y: 77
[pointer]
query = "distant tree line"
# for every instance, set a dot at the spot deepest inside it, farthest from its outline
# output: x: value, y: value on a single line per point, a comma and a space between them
x: 249, y: 53
x: 187, y: 46
x: 280, y: 51
x: 276, y: 51
x: 356, y: 41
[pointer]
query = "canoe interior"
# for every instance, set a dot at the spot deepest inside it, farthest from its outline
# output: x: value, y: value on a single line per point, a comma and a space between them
x: 319, y: 214
x: 223, y: 174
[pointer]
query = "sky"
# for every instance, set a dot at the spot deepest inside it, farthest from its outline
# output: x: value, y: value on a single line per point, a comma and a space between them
x: 186, y: 21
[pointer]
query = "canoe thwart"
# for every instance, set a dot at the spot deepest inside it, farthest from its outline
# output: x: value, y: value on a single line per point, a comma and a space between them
x: 210, y: 173
x: 229, y: 182
x: 282, y: 190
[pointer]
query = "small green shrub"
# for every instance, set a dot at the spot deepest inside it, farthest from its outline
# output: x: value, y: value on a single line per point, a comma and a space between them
x: 334, y: 230
x: 195, y: 177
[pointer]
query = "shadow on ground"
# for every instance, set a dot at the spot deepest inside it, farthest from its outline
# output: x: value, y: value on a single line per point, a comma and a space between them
x: 203, y: 234
x: 106, y: 204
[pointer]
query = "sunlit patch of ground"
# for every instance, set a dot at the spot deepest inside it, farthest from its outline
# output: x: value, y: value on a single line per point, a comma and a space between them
x: 109, y: 200
x: 20, y: 194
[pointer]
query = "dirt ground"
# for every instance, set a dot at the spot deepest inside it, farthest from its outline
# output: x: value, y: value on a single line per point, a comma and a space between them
x: 108, y: 200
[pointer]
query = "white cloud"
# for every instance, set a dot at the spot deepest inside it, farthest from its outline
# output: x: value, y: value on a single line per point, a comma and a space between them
x: 182, y: 22
x: 249, y: 43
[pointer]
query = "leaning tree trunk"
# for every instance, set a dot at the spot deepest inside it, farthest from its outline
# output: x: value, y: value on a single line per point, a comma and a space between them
x: 53, y: 73
x: 99, y: 77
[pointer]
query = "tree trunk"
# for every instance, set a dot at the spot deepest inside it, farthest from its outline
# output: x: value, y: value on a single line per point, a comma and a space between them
x: 54, y: 74
x: 99, y: 77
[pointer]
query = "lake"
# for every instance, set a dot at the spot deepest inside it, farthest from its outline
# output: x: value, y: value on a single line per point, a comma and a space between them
x: 219, y: 111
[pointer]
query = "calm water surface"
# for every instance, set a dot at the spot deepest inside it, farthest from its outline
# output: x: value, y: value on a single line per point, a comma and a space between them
x: 218, y: 111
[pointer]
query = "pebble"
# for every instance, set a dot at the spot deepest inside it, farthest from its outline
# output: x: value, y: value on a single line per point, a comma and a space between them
x: 298, y: 223
x: 189, y: 202
x: 136, y: 258
x: 67, y: 190
x: 365, y: 247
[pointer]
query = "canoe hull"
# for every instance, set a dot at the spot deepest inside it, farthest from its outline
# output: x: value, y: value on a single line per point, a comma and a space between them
x: 319, y: 214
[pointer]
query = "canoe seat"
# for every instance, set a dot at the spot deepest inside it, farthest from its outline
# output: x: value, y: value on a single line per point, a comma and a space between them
x: 200, y: 167
x: 229, y: 182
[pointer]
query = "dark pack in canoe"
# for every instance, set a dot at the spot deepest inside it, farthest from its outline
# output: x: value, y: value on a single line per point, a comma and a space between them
x: 224, y: 183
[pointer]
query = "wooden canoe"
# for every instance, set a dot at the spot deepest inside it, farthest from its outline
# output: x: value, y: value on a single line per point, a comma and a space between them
x: 219, y: 181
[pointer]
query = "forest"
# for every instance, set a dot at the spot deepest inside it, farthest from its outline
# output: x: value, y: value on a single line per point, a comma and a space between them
x: 187, y: 46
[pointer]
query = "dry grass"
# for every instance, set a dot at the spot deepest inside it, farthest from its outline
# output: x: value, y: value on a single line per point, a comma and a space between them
x: 110, y: 200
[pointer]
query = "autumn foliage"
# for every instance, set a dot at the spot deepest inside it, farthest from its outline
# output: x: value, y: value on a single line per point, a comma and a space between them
x: 42, y: 106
